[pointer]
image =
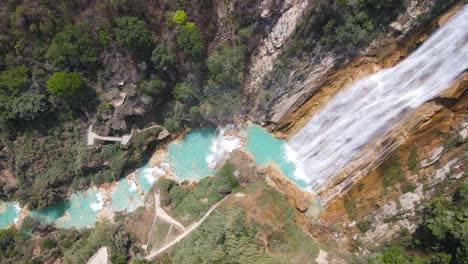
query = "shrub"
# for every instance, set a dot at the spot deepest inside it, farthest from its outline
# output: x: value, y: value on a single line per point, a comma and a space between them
x: 392, y: 173
x: 412, y: 160
x: 152, y: 87
x: 162, y: 57
x: 179, y: 17
x: 29, y: 106
x: 14, y: 79
x: 65, y: 84
x: 190, y: 40
x: 227, y: 65
x: 184, y: 92
x: 364, y: 225
x: 408, y: 187
x: 73, y: 47
x: 172, y: 124
x: 177, y: 194
x: 133, y: 33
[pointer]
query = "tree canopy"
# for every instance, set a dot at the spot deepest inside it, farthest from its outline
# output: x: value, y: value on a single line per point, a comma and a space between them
x: 73, y: 47
x: 190, y: 40
x: 64, y: 84
x: 133, y: 33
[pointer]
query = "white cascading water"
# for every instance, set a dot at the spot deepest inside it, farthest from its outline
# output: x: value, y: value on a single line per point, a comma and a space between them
x: 372, y: 106
x: 221, y: 145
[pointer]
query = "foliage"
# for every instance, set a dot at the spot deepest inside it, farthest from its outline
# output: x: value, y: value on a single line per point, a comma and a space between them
x: 220, y: 102
x: 133, y: 33
x: 14, y: 79
x: 353, y: 31
x: 192, y: 204
x: 172, y: 124
x: 14, y: 246
x: 412, y: 159
x: 73, y: 47
x: 28, y: 106
x: 185, y: 92
x: 392, y: 173
x: 179, y: 17
x: 103, y: 234
x: 227, y: 65
x: 223, y: 238
x: 190, y: 40
x: 364, y: 225
x: 65, y: 84
x: 163, y: 58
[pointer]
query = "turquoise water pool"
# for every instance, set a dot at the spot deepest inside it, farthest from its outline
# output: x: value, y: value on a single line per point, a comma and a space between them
x: 188, y: 160
x: 125, y: 197
x: 79, y: 211
x: 266, y: 148
x: 188, y: 157
x: 9, y: 212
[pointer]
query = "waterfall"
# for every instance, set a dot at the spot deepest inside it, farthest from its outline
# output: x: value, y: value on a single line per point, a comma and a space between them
x: 222, y: 144
x: 371, y: 107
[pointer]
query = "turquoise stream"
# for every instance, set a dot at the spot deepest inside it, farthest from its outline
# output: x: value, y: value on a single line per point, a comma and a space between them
x: 188, y: 161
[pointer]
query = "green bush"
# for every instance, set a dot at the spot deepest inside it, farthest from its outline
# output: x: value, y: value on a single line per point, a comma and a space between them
x: 179, y: 17
x: 185, y: 92
x: 73, y: 47
x: 177, y: 194
x: 65, y: 84
x: 29, y: 106
x: 392, y: 173
x: 412, y: 160
x: 189, y: 39
x: 364, y: 225
x: 14, y: 79
x: 152, y: 87
x: 227, y: 65
x: 172, y: 124
x: 163, y: 58
x: 133, y: 33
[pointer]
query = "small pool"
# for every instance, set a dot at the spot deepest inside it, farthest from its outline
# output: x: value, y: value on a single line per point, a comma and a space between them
x: 9, y: 212
x: 188, y: 157
x: 266, y: 148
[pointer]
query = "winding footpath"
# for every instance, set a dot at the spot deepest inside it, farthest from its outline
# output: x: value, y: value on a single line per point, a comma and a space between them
x: 187, y: 231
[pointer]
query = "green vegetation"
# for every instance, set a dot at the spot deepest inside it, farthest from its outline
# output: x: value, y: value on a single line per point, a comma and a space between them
x: 440, y: 237
x: 223, y: 238
x: 14, y: 79
x: 230, y: 235
x: 227, y: 65
x: 413, y: 160
x: 180, y: 17
x: 163, y: 58
x: 65, y: 84
x: 364, y: 225
x: 192, y: 204
x: 190, y: 40
x: 73, y: 47
x: 133, y: 33
x: 103, y: 234
x: 392, y: 173
x: 29, y: 106
x: 185, y: 92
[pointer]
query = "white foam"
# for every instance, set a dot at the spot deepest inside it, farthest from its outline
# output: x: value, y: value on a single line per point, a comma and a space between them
x: 18, y: 210
x: 96, y: 206
x: 221, y: 145
x: 133, y: 187
x: 152, y: 174
x: 371, y: 107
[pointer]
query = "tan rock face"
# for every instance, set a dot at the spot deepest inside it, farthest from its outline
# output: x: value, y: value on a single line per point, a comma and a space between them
x: 300, y: 199
x: 245, y: 167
